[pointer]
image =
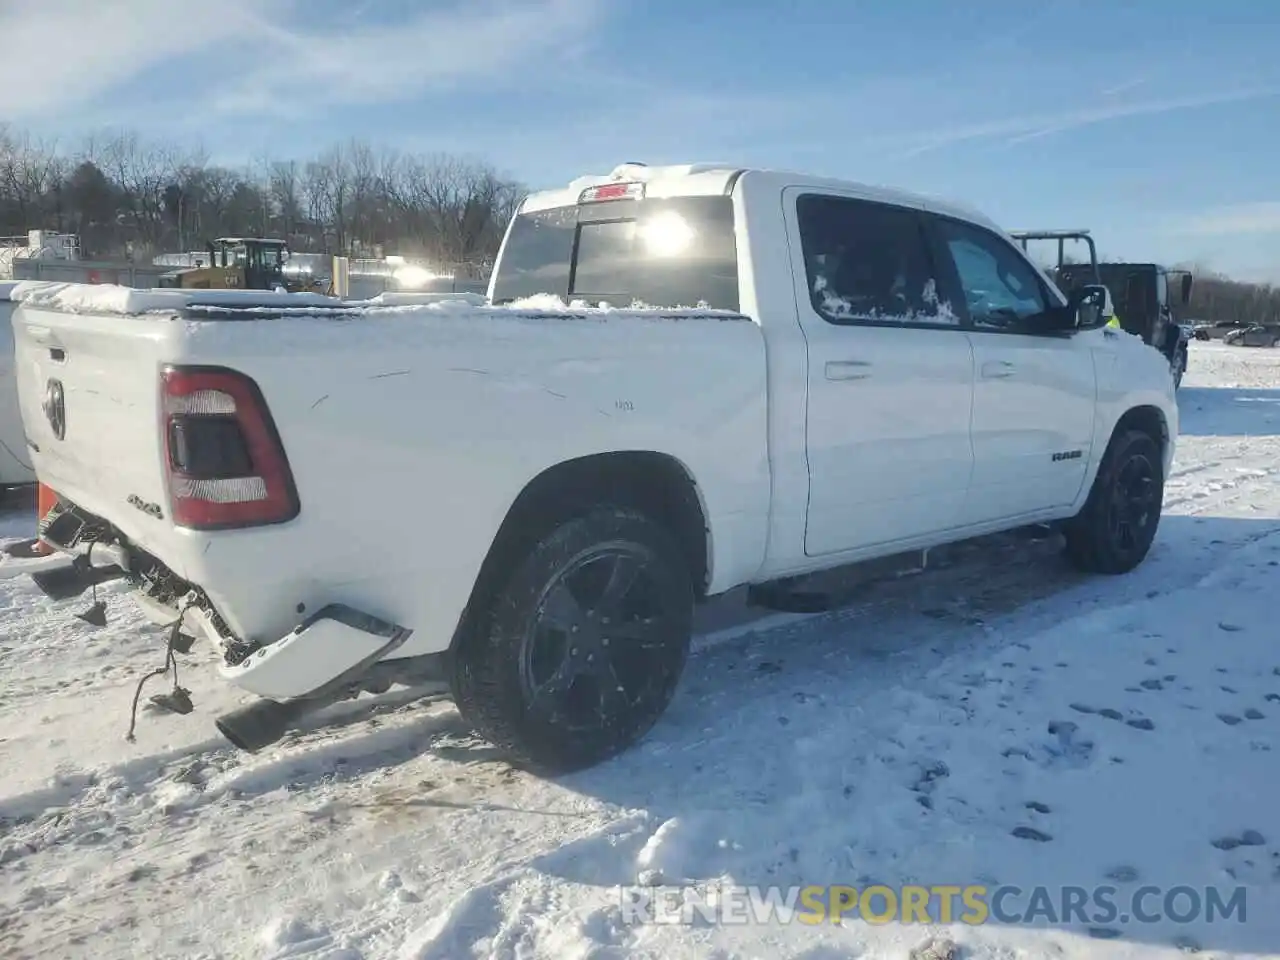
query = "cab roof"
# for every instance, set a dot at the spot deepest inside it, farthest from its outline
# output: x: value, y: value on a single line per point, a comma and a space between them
x: 718, y: 179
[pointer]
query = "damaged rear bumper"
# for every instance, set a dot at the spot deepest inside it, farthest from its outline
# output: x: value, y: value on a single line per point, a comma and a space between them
x: 323, y: 657
x: 334, y: 654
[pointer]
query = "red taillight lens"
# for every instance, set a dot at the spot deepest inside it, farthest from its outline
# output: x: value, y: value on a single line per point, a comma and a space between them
x: 226, y: 465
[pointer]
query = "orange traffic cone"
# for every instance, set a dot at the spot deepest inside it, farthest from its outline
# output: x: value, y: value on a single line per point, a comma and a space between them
x: 46, y: 500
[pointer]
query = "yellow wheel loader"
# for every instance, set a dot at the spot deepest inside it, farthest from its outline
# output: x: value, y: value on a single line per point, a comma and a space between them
x: 243, y: 263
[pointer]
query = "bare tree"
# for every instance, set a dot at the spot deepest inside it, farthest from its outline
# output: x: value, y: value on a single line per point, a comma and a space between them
x: 1219, y: 299
x: 31, y: 179
x: 284, y: 189
x: 118, y: 190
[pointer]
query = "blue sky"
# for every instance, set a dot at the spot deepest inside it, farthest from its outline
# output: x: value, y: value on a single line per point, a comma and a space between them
x: 1155, y: 123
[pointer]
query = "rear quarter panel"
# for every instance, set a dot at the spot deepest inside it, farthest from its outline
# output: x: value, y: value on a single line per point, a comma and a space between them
x: 411, y: 434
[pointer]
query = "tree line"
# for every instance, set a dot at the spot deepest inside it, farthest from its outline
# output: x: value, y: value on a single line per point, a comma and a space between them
x: 130, y: 198
x: 1219, y: 299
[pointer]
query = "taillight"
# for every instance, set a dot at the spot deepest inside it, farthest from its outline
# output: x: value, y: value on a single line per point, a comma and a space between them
x: 226, y: 466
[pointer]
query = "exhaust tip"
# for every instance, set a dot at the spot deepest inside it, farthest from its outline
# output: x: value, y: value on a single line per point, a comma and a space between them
x: 259, y: 724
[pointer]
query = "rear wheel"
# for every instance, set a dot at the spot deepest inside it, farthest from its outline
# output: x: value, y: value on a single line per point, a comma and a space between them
x: 1114, y: 531
x: 582, y: 644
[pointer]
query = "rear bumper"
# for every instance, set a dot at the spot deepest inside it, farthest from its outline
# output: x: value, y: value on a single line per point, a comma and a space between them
x: 331, y: 648
x: 334, y: 644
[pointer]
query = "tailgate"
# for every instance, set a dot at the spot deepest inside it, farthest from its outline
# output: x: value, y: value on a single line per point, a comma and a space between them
x: 89, y: 392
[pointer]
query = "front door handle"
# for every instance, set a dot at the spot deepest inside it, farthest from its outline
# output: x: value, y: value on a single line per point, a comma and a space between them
x: 998, y: 370
x: 847, y: 370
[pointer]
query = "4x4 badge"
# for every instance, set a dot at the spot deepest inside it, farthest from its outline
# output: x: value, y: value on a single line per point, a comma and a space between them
x: 55, y: 408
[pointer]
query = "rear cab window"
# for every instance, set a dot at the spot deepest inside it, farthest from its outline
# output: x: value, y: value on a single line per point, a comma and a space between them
x: 665, y: 252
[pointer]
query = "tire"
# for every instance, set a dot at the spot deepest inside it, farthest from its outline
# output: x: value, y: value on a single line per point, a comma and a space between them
x: 533, y: 675
x: 1114, y: 530
x: 1179, y: 368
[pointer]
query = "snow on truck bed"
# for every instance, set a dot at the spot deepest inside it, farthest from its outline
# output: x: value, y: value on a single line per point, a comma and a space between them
x: 214, y: 304
x: 999, y: 721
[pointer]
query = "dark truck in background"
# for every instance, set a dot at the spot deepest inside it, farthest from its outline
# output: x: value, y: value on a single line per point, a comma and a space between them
x: 1142, y: 294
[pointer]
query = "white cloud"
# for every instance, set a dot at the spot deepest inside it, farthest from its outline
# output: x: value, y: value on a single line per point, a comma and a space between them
x: 272, y: 56
x: 1028, y: 127
x: 1125, y: 87
x: 1243, y: 218
x: 63, y: 54
x: 394, y: 62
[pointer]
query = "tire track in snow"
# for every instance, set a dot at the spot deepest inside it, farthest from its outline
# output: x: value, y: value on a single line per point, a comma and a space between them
x: 242, y: 791
x: 163, y: 843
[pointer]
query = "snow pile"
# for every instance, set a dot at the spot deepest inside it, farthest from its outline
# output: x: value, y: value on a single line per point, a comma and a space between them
x: 109, y: 298
x: 997, y: 721
x: 396, y: 299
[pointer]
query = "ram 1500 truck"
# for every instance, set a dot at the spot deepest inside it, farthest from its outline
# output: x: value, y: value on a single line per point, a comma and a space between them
x: 687, y: 379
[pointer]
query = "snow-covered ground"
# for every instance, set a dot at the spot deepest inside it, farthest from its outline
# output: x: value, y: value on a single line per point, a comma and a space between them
x: 997, y: 721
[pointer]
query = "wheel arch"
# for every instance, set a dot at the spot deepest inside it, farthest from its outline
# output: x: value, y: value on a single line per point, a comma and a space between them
x: 1151, y: 420
x: 657, y: 484
x: 1148, y: 418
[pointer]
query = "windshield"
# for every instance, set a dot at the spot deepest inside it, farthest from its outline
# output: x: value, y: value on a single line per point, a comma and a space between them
x: 669, y: 253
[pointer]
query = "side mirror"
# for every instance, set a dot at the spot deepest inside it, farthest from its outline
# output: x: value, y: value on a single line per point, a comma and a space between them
x: 1186, y: 289
x: 1087, y: 307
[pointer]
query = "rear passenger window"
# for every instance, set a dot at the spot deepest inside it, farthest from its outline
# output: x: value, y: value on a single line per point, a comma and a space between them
x: 868, y: 263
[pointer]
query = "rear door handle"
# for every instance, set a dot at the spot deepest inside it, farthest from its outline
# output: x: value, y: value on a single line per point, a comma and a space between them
x: 998, y: 370
x: 847, y: 370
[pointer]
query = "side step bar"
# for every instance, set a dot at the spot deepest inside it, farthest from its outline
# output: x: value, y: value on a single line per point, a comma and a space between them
x: 833, y: 589
x: 836, y: 588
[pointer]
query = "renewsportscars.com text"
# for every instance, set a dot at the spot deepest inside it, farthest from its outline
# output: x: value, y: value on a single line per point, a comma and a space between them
x: 940, y: 903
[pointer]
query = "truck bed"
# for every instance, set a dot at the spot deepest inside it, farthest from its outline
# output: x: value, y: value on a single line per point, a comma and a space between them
x: 404, y: 426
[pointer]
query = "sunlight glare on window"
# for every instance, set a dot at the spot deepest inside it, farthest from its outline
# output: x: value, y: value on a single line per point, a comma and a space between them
x: 666, y: 234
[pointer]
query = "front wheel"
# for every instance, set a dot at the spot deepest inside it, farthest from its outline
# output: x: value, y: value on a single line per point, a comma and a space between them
x: 581, y: 647
x: 1114, y: 531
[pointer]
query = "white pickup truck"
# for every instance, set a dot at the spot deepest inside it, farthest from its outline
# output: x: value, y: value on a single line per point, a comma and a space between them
x: 777, y: 375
